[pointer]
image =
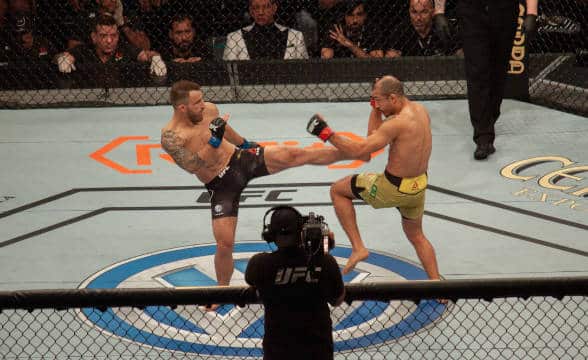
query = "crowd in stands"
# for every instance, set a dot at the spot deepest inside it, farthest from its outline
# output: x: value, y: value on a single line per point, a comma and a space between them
x: 69, y: 34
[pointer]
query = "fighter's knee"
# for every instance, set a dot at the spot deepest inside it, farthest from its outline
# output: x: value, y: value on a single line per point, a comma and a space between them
x: 281, y: 158
x: 224, y: 246
x: 289, y: 158
x: 415, y: 236
x: 334, y: 191
x: 341, y: 188
x: 294, y: 156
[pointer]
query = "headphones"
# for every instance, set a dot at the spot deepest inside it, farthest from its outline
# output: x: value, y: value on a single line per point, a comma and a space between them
x: 268, y: 234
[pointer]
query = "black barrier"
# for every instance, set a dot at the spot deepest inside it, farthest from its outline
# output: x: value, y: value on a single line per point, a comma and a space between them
x: 128, y: 75
x: 314, y: 71
x: 348, y: 70
x: 486, y: 289
x: 29, y: 76
x: 208, y: 73
x: 535, y: 318
x: 238, y: 81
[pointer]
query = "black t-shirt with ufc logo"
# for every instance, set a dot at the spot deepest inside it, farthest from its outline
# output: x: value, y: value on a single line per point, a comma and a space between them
x: 297, y: 317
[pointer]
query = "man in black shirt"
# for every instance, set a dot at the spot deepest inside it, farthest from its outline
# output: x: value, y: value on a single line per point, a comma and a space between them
x: 185, y: 45
x: 351, y: 38
x: 29, y: 46
x: 418, y: 37
x: 68, y: 23
x: 103, y: 61
x: 25, y: 55
x: 296, y: 283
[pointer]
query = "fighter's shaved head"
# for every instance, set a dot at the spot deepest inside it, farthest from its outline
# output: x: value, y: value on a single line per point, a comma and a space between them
x: 390, y: 85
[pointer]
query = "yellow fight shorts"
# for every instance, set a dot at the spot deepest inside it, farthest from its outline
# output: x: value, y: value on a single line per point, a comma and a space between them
x: 386, y: 190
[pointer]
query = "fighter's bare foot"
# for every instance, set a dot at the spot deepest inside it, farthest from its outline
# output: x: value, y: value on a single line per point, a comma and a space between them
x: 441, y: 301
x: 356, y: 256
x: 211, y: 307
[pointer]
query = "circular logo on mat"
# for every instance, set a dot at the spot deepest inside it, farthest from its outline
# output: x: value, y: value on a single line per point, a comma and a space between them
x: 234, y: 331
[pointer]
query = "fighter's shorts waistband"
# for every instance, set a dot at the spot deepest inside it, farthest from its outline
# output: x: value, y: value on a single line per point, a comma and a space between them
x: 217, y: 179
x: 393, y: 179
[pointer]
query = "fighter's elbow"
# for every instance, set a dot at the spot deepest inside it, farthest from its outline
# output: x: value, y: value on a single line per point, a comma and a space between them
x: 362, y: 152
x: 363, y: 156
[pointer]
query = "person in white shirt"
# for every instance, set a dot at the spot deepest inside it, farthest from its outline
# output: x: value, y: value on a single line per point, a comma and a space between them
x: 264, y: 39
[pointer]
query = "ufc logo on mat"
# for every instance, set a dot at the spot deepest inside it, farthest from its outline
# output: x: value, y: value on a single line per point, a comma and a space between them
x: 290, y: 275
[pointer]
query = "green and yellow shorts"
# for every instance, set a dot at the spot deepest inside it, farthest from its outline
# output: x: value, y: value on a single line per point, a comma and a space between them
x: 386, y: 190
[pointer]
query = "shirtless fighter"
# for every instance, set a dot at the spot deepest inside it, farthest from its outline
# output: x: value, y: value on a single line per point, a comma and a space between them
x: 203, y: 144
x: 407, y: 130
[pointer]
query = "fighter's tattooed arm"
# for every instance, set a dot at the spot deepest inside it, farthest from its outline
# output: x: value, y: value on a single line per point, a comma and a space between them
x: 175, y: 146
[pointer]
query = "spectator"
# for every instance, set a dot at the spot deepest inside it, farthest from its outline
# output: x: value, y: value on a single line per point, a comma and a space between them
x: 29, y: 47
x: 351, y: 38
x: 326, y: 13
x: 264, y: 39
x: 185, y: 46
x: 9, y: 8
x: 294, y: 14
x: 323, y: 14
x: 419, y: 39
x: 107, y: 53
x: 134, y: 36
x: 73, y: 21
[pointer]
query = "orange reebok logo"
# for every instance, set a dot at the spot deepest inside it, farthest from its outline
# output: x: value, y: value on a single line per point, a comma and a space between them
x: 144, y: 150
x: 415, y: 186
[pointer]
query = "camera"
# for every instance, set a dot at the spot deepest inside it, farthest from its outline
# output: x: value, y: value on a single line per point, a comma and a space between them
x: 289, y: 228
x: 315, y: 235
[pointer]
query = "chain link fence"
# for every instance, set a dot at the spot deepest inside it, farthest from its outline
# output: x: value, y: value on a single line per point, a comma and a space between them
x: 51, y: 53
x: 487, y: 319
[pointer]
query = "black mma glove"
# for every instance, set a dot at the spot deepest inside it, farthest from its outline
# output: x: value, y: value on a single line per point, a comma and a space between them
x: 530, y: 27
x: 217, y: 131
x: 441, y: 26
x: 318, y: 126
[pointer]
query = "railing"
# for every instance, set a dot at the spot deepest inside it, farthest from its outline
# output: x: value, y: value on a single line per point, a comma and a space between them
x: 522, y: 318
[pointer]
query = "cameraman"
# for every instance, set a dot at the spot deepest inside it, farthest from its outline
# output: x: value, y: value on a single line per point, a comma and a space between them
x: 295, y: 283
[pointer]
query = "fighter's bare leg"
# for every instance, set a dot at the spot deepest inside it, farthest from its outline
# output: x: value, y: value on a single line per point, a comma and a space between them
x: 279, y: 157
x: 342, y: 197
x: 223, y: 230
x: 425, y: 251
x: 224, y: 233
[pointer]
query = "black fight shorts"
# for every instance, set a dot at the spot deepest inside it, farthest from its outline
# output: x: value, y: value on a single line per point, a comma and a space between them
x: 225, y: 189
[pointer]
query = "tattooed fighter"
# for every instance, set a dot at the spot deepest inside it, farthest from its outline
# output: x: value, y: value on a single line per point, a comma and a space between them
x: 203, y: 144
